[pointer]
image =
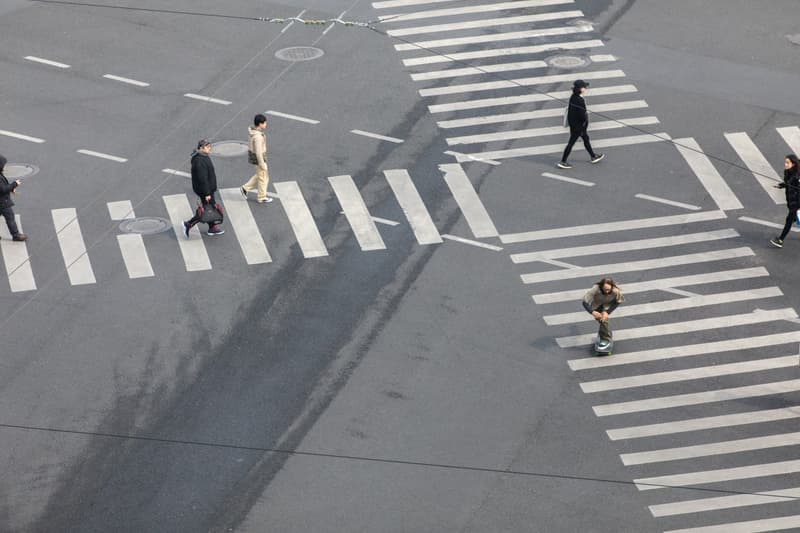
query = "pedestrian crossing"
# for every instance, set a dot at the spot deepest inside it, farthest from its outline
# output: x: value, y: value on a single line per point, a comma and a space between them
x: 695, y: 352
x: 470, y: 56
x: 240, y: 218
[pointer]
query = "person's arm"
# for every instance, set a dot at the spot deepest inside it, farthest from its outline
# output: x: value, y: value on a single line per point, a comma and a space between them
x: 613, y: 305
x: 587, y: 307
x: 261, y: 152
x: 8, y: 188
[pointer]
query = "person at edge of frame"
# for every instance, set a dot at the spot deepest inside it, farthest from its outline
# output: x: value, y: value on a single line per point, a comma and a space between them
x: 6, y: 203
x: 791, y: 182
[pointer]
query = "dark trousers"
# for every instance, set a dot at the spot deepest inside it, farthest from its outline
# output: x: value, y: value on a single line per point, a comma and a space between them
x: 574, y: 133
x: 195, y: 219
x: 8, y: 214
x: 790, y: 218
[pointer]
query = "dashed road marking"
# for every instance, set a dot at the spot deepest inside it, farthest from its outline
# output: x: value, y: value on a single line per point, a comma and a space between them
x: 21, y: 137
x: 47, y: 62
x: 377, y: 136
x: 129, y: 81
x: 291, y: 117
x: 668, y: 202
x: 207, y: 99
x: 101, y: 155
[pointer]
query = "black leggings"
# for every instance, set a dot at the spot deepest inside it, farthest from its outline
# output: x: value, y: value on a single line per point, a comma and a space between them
x: 574, y: 133
x: 8, y: 214
x: 790, y: 219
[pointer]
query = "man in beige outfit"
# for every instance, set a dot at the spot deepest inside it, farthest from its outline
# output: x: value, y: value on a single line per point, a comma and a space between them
x: 257, y: 154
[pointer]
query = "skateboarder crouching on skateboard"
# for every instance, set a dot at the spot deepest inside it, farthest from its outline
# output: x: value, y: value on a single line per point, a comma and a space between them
x: 600, y: 301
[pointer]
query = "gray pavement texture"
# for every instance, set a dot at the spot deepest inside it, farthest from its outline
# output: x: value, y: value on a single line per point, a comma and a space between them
x: 411, y: 389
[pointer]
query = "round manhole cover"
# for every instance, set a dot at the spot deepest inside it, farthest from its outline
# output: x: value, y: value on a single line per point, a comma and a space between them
x: 145, y: 225
x: 15, y: 171
x: 229, y: 148
x: 299, y: 53
x: 565, y: 61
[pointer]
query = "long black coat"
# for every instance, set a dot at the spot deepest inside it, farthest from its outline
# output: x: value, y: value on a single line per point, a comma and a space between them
x: 204, y: 179
x: 577, y: 116
x: 6, y: 189
x: 791, y: 184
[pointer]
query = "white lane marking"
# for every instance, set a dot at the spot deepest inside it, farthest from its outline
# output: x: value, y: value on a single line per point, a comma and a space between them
x: 696, y: 398
x: 476, y: 71
x: 134, y: 254
x: 176, y: 172
x: 717, y: 476
x: 484, y: 23
x: 503, y: 52
x: 602, y: 58
x: 482, y: 8
x: 404, y: 3
x: 541, y: 113
x: 207, y: 99
x: 473, y: 243
x: 377, y: 136
x: 193, y: 250
x: 560, y: 264
x: 560, y: 96
x: 680, y: 292
x: 715, y: 448
x: 677, y: 328
x: 73, y: 249
x: 21, y: 137
x: 625, y: 246
x: 791, y: 135
x: 704, y: 423
x: 660, y: 284
x: 558, y: 148
x: 17, y: 261
x: 671, y: 305
x: 121, y: 210
x: 688, y: 350
x: 636, y: 266
x: 466, y: 196
x: 725, y: 502
x: 357, y: 213
x: 543, y: 132
x: 472, y: 158
x: 753, y: 159
x: 46, y: 62
x: 703, y: 372
x: 708, y: 175
x: 754, y: 526
x: 516, y: 83
x: 129, y: 81
x: 480, y: 39
x: 568, y: 179
x: 611, y: 227
x: 379, y: 220
x: 101, y: 155
x: 413, y: 207
x: 292, y: 117
x: 766, y: 223
x: 301, y: 219
x: 244, y: 225
x: 668, y: 202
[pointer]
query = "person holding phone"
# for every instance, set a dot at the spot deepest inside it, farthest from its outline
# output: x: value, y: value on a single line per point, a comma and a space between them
x: 7, y: 204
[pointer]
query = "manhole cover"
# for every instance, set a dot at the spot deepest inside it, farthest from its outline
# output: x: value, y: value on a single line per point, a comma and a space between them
x: 15, y: 171
x: 145, y: 225
x: 299, y: 53
x: 563, y: 61
x: 229, y: 148
x: 794, y: 39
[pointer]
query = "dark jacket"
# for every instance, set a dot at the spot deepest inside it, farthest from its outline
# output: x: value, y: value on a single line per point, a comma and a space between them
x: 6, y: 188
x: 204, y: 179
x: 791, y: 182
x: 577, y: 117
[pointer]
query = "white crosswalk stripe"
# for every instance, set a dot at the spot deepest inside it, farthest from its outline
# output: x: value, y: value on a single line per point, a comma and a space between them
x: 16, y: 260
x: 708, y: 175
x: 414, y: 208
x: 195, y: 257
x: 791, y: 135
x: 357, y: 214
x: 131, y: 246
x: 763, y: 525
x: 753, y: 159
x: 245, y: 227
x: 725, y: 502
x: 301, y: 220
x: 484, y: 23
x: 720, y: 475
x: 468, y: 200
x: 503, y: 52
x: 492, y: 38
x: 73, y: 248
x: 482, y: 8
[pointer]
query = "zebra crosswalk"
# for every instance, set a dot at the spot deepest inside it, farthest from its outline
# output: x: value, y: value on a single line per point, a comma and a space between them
x: 77, y: 253
x: 688, y: 366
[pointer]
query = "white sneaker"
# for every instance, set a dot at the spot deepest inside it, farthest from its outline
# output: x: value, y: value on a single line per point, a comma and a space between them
x: 265, y: 200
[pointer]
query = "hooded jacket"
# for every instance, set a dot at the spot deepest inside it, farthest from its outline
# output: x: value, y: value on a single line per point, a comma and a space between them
x: 6, y: 188
x: 257, y: 143
x: 204, y: 179
x: 791, y: 183
x: 577, y: 116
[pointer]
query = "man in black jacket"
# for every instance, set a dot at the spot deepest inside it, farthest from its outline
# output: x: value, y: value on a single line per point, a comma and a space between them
x: 578, y: 121
x: 6, y: 203
x: 204, y: 184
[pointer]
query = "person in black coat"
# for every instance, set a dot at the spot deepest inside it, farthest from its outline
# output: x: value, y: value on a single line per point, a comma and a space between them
x: 6, y: 203
x: 578, y: 121
x: 204, y: 184
x: 791, y: 182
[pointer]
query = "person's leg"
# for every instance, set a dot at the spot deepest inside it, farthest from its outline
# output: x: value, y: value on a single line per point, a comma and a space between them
x: 573, y: 137
x: 790, y: 218
x: 252, y: 183
x: 605, y: 331
x: 587, y: 144
x: 8, y: 214
x: 263, y: 180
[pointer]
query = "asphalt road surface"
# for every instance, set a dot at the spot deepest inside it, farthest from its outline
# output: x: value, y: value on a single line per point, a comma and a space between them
x: 395, y: 344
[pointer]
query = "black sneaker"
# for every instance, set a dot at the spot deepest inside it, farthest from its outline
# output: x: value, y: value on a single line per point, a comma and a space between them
x: 244, y: 192
x: 776, y: 242
x: 563, y: 164
x: 186, y: 228
x: 213, y: 230
x: 597, y: 158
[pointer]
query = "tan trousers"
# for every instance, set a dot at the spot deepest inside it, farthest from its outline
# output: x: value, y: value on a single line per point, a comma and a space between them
x: 260, y: 180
